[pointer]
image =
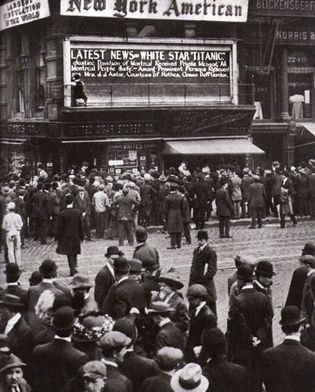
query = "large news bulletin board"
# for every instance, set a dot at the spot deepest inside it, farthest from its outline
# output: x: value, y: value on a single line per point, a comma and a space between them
x: 151, y: 73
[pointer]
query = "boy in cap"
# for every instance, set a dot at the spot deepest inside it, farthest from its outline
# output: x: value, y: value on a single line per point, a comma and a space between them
x: 12, y: 224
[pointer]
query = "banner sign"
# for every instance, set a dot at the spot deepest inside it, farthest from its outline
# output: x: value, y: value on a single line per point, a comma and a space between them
x: 296, y: 35
x: 283, y: 8
x: 142, y: 71
x: 192, y: 10
x: 18, y: 12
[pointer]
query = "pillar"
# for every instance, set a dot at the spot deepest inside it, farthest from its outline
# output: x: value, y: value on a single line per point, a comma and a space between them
x: 284, y: 85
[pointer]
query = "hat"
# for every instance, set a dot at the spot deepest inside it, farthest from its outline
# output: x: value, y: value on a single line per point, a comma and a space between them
x: 11, y: 206
x: 309, y: 249
x: 63, y: 319
x: 308, y: 260
x: 141, y: 234
x: 5, y: 190
x: 189, y: 378
x: 127, y: 327
x: 303, y: 171
x: 255, y: 177
x: 290, y: 315
x: 12, y: 362
x: 245, y: 272
x: 169, y: 357
x: 81, y: 281
x: 265, y: 268
x: 48, y: 268
x: 172, y: 279
x: 35, y: 278
x: 121, y: 264
x: 160, y: 307
x: 245, y: 170
x: 11, y: 300
x: 162, y: 178
x: 114, y: 340
x: 197, y: 290
x: 101, y: 187
x: 239, y: 260
x: 147, y: 177
x: 93, y: 369
x: 135, y: 266
x: 109, y: 179
x: 214, y: 342
x: 202, y: 235
x: 21, y: 192
x: 12, y: 269
x: 113, y: 251
x: 92, y: 328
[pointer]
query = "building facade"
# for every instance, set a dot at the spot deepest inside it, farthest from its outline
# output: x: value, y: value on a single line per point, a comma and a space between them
x: 141, y: 84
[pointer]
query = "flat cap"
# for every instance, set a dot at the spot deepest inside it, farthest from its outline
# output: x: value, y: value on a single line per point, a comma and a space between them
x: 135, y: 266
x: 114, y: 340
x: 169, y: 356
x: 93, y: 369
x: 197, y: 290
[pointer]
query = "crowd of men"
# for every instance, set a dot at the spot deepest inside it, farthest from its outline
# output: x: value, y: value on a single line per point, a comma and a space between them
x: 133, y: 328
x: 45, y: 205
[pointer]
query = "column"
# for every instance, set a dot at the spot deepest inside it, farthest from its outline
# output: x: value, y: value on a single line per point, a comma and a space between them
x: 284, y: 85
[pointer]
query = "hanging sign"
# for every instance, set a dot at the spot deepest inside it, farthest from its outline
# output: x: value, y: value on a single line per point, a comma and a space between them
x: 193, y: 10
x: 18, y: 12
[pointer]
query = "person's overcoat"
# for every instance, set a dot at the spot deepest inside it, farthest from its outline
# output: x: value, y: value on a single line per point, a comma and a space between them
x: 174, y: 213
x: 103, y: 282
x: 256, y: 195
x: 69, y: 232
x: 223, y: 203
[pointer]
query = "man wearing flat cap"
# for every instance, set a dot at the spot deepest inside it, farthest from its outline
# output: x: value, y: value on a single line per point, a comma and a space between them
x: 105, y: 278
x: 289, y: 366
x: 299, y: 276
x: 11, y: 376
x: 204, y: 268
x: 125, y: 294
x: 168, y: 359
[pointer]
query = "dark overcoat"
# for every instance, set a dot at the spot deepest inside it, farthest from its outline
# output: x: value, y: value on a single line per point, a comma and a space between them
x: 20, y: 340
x: 159, y: 383
x: 256, y: 195
x: 174, y: 212
x: 295, y: 293
x: 103, y: 282
x: 170, y: 336
x: 69, y: 232
x: 223, y: 203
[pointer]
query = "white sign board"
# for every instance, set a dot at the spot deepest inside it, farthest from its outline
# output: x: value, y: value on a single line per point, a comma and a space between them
x: 192, y: 10
x: 18, y: 12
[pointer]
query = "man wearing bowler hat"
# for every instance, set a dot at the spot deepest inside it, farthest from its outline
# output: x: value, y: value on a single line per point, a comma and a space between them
x: 56, y: 362
x: 105, y: 278
x: 289, y: 366
x: 13, y: 273
x: 11, y: 376
x: 299, y: 276
x: 204, y: 268
x: 125, y: 294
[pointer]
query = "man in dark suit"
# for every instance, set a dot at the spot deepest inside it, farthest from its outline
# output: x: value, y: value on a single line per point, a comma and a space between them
x: 223, y: 376
x: 289, y: 366
x: 13, y: 273
x: 56, y: 362
x: 168, y: 359
x: 245, y: 184
x: 125, y: 294
x: 224, y: 209
x: 82, y: 203
x: 45, y: 212
x: 18, y: 333
x: 105, y: 278
x: 147, y: 254
x: 203, y: 196
x: 299, y: 276
x: 256, y: 201
x: 70, y: 234
x: 311, y: 191
x: 168, y: 334
x: 174, y: 216
x: 204, y: 268
x: 201, y: 319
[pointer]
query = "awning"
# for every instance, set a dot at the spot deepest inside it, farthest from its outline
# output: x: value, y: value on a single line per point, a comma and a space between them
x: 310, y: 126
x: 215, y: 146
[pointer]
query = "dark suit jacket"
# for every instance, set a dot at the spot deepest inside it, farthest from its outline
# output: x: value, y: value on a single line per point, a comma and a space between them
x: 311, y: 185
x: 45, y: 206
x: 203, y: 192
x: 289, y: 367
x: 174, y: 212
x: 54, y: 364
x: 123, y: 296
x: 16, y: 290
x: 125, y: 207
x: 224, y: 376
x: 83, y: 205
x: 116, y: 381
x: 69, y: 232
x: 20, y: 340
x: 207, y: 257
x: 103, y: 282
x: 224, y: 203
x: 169, y: 336
x: 147, y: 254
x: 138, y: 368
x: 295, y: 293
x: 159, y: 383
x: 256, y: 195
x: 23, y: 386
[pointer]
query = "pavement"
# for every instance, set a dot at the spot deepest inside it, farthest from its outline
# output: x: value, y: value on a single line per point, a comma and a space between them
x: 281, y: 246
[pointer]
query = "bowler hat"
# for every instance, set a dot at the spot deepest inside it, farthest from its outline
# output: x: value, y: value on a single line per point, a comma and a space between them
x: 48, y: 268
x: 308, y: 260
x: 127, y: 327
x: 197, y: 291
x: 169, y: 357
x: 189, y: 378
x: 114, y: 340
x: 135, y: 266
x: 121, y: 264
x: 309, y: 249
x: 160, y: 307
x: 81, y: 281
x: 35, y: 278
x: 12, y: 362
x: 265, y: 268
x: 290, y: 316
x: 245, y: 272
x: 202, y: 235
x: 11, y: 300
x: 113, y: 251
x: 141, y: 234
x: 172, y: 279
x: 12, y: 270
x: 63, y: 319
x: 93, y: 370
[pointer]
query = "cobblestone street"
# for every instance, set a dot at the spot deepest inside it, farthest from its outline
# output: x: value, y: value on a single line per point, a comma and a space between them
x: 281, y: 246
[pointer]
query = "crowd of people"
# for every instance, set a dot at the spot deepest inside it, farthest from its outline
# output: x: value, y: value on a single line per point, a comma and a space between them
x: 111, y: 207
x: 132, y: 328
